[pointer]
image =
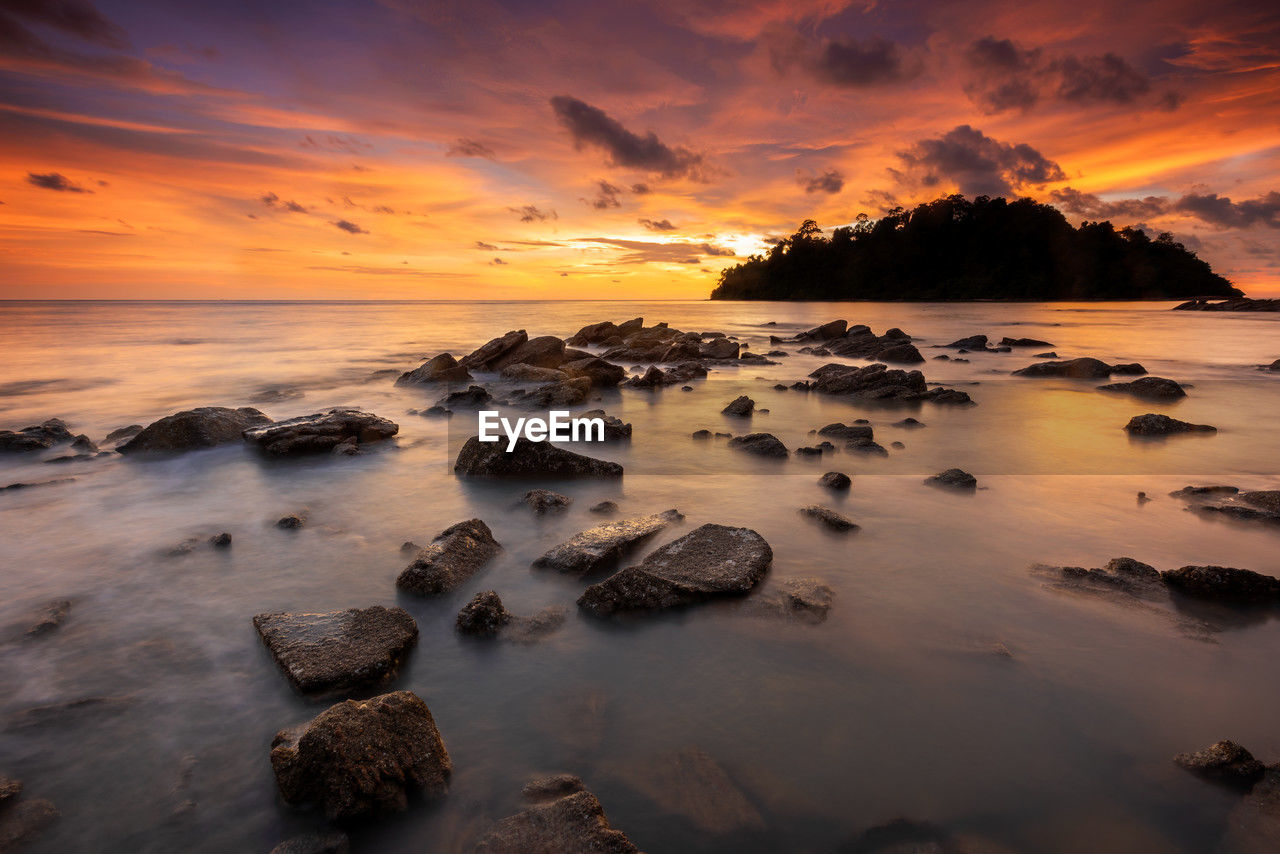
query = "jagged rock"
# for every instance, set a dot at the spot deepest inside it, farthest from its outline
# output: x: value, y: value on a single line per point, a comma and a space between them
x: 484, y: 615
x: 573, y: 823
x: 123, y: 433
x: 1124, y: 573
x: 719, y: 348
x: 528, y: 459
x: 542, y: 500
x: 602, y: 374
x: 320, y: 432
x: 319, y: 842
x: 48, y: 617
x: 484, y: 358
x: 859, y: 342
x: 1148, y: 388
x: 438, y: 369
x: 455, y: 555
x: 833, y: 520
x: 545, y: 351
x: 614, y: 428
x: 595, y: 548
x: 1023, y: 342
x: 1243, y: 586
x: 195, y: 428
x: 825, y: 332
x: 563, y: 393
x: 973, y: 342
x: 594, y: 333
x: 1154, y: 424
x: 363, y: 758
x: 84, y: 445
x: 473, y: 397
x: 1225, y: 762
x: 521, y: 372
x: 761, y: 444
x: 741, y: 407
x: 552, y: 787
x: 835, y: 480
x: 713, y: 560
x: 1085, y: 368
x: 604, y: 507
x: 338, y: 651
x: 654, y: 377
x: 35, y: 438
x: 957, y: 479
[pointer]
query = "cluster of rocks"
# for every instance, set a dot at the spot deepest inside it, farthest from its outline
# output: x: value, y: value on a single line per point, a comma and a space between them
x: 1233, y: 503
x: 879, y: 382
x: 1211, y: 583
x: 486, y: 616
x: 528, y: 459
x: 1083, y: 368
x: 1238, y: 304
x: 982, y: 344
x: 39, y: 437
x: 339, y: 431
x: 838, y: 338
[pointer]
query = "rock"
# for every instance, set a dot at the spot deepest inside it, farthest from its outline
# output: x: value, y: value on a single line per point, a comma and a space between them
x: 720, y: 348
x: 573, y: 823
x: 221, y: 540
x: 436, y: 411
x: 546, y: 351
x: 859, y: 342
x: 528, y: 459
x: 1227, y: 584
x: 602, y: 545
x: 338, y: 651
x: 602, y: 374
x: 866, y: 446
x: 292, y: 522
x: 594, y: 333
x: 741, y: 407
x: 1236, y: 304
x: 35, y: 438
x: 438, y: 369
x: 686, y: 388
x: 320, y: 842
x: 473, y: 397
x: 1131, y: 369
x: 557, y: 394
x: 909, y: 423
x: 630, y: 327
x: 604, y: 507
x: 1085, y: 368
x: 761, y: 444
x: 902, y: 354
x: 1274, y: 366
x: 805, y: 599
x: 1124, y: 573
x: 84, y: 445
x: 614, y: 428
x: 9, y: 790
x: 878, y: 382
x: 484, y: 615
x: 691, y: 784
x: 847, y: 431
x: 825, y: 332
x: 835, y: 480
x: 1023, y: 342
x: 521, y: 372
x: 552, y: 788
x: 455, y: 555
x: 22, y: 821
x: 363, y: 758
x: 48, y: 617
x: 1253, y: 827
x: 956, y: 479
x: 320, y: 432
x: 973, y: 342
x: 195, y: 428
x: 653, y: 378
x: 701, y: 434
x: 833, y: 520
x: 1266, y: 499
x: 713, y: 560
x: 1225, y: 762
x: 485, y: 357
x: 542, y: 500
x: 1153, y: 424
x: 1196, y: 492
x: 1148, y: 388
x: 1048, y: 355
x: 122, y: 433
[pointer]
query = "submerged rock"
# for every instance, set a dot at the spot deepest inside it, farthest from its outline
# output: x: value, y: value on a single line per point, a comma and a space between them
x: 1253, y: 827
x: 691, y: 784
x: 122, y: 433
x: 552, y: 787
x: 195, y: 428
x: 528, y: 459
x: 848, y: 431
x: 438, y: 369
x: 35, y: 438
x: 556, y: 394
x: 320, y: 432
x: 528, y: 373
x: 47, y: 617
x: 1085, y: 368
x: 713, y: 560
x: 472, y: 397
x: 1023, y: 342
x: 542, y: 500
x: 1225, y: 762
x: 805, y: 599
x: 1123, y: 573
x: 363, y: 758
x: 602, y: 545
x: 455, y: 555
x: 484, y: 615
x: 835, y: 480
x: 761, y: 444
x: 1154, y: 424
x: 338, y: 651
x: 292, y: 521
x: 573, y: 823
x: 957, y: 479
x: 21, y: 820
x: 1148, y: 388
x: 833, y: 520
x: 319, y: 842
x: 741, y: 407
x: 1224, y: 583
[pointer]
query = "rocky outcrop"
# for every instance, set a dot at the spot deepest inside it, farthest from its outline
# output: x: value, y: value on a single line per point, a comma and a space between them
x: 713, y: 560
x: 879, y: 382
x: 825, y: 332
x: 542, y: 500
x: 602, y: 374
x: 859, y: 342
x: 1084, y: 368
x: 957, y: 479
x: 1023, y: 342
x: 338, y: 651
x: 1121, y: 573
x: 833, y: 520
x: 1238, y: 304
x: 837, y: 480
x: 472, y: 397
x: 601, y: 546
x: 574, y: 822
x: 741, y: 407
x: 485, y: 358
x: 1224, y: 584
x: 1223, y: 762
x: 614, y: 428
x: 122, y: 433
x: 1148, y: 388
x: 438, y: 369
x: 195, y: 428
x: 528, y: 459
x: 557, y: 394
x: 334, y: 430
x: 455, y: 555
x: 760, y: 444
x: 38, y: 437
x: 363, y: 758
x: 1155, y: 424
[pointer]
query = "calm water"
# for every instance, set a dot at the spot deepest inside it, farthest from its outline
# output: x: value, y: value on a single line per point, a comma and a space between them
x: 895, y: 706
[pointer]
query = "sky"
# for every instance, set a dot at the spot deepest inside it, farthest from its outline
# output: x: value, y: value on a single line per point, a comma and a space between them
x: 389, y: 149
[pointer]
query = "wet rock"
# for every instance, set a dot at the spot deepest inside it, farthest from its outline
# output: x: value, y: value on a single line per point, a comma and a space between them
x: 1148, y: 388
x: 528, y: 630
x: 825, y: 332
x: 338, y: 651
x: 573, y: 823
x: 847, y: 432
x: 1123, y: 573
x: 901, y: 354
x: 546, y: 351
x: 720, y: 348
x: 614, y: 428
x: 363, y: 758
x: 483, y: 616
x: 1085, y: 368
x: 835, y: 480
x: 123, y: 433
x: 71, y: 713
x: 595, y: 548
x: 594, y: 333
x: 909, y: 423
x: 320, y: 432
x: 691, y: 784
x: 521, y: 372
x: 1266, y: 499
x: 806, y: 600
x: 292, y: 521
x: 1153, y: 424
x: 220, y: 540
x: 833, y: 520
x: 1132, y: 369
x: 604, y: 507
x: 602, y: 374
x: 859, y: 342
x: 713, y: 560
x: 542, y: 500
x: 1224, y: 762
x: 973, y: 342
x: 24, y: 820
x: 455, y: 555
x: 742, y: 407
x: 320, y: 842
x: 879, y: 382
x: 1225, y: 584
x: 956, y: 479
x: 557, y: 394
x: 195, y: 428
x: 82, y: 444
x: 528, y: 459
x: 48, y: 617
x: 1048, y: 355
x: 438, y: 369
x: 485, y: 357
x: 1198, y: 492
x: 1023, y: 342
x: 552, y: 787
x: 472, y: 397
x: 35, y: 438
x: 866, y: 446
x: 760, y: 444
x: 701, y: 434
x: 26, y: 485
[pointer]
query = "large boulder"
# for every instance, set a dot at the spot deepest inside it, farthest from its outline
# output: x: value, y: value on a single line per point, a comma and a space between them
x: 190, y: 429
x: 713, y: 560
x: 528, y: 459
x: 484, y: 357
x: 760, y: 444
x: 438, y: 369
x: 957, y: 479
x: 338, y: 651
x: 602, y: 374
x: 1155, y: 424
x: 555, y: 394
x: 361, y: 758
x: 37, y: 437
x: 825, y: 332
x: 574, y: 823
x: 455, y: 555
x: 320, y: 432
x: 546, y: 351
x: 1085, y: 368
x: 1225, y: 762
x: 1224, y: 583
x: 522, y: 373
x: 1148, y: 388
x: 597, y: 547
x: 741, y: 406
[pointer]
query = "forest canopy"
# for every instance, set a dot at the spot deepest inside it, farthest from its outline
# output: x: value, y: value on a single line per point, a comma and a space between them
x: 956, y: 249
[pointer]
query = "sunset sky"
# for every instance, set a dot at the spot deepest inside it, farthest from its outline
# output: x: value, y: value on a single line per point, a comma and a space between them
x: 596, y: 149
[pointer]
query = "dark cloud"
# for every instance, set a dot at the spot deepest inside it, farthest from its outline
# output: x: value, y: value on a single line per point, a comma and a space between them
x: 855, y: 64
x: 271, y: 200
x: 708, y: 249
x: 532, y: 213
x: 76, y: 17
x: 463, y: 147
x: 830, y: 181
x: 975, y: 163
x: 293, y: 207
x: 487, y: 247
x: 641, y: 189
x: 333, y: 142
x: 606, y: 196
x: 1089, y: 205
x: 55, y: 181
x: 498, y: 262
x: 1210, y: 208
x: 349, y: 226
x: 657, y: 224
x: 591, y: 126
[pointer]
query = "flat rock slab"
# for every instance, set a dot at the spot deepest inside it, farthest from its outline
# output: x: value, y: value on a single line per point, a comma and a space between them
x: 528, y: 459
x: 338, y: 651
x: 573, y: 823
x: 363, y: 758
x: 451, y: 558
x: 1085, y: 368
x: 833, y: 520
x: 713, y: 560
x: 321, y: 432
x: 600, y: 546
x: 1148, y: 388
x: 195, y: 428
